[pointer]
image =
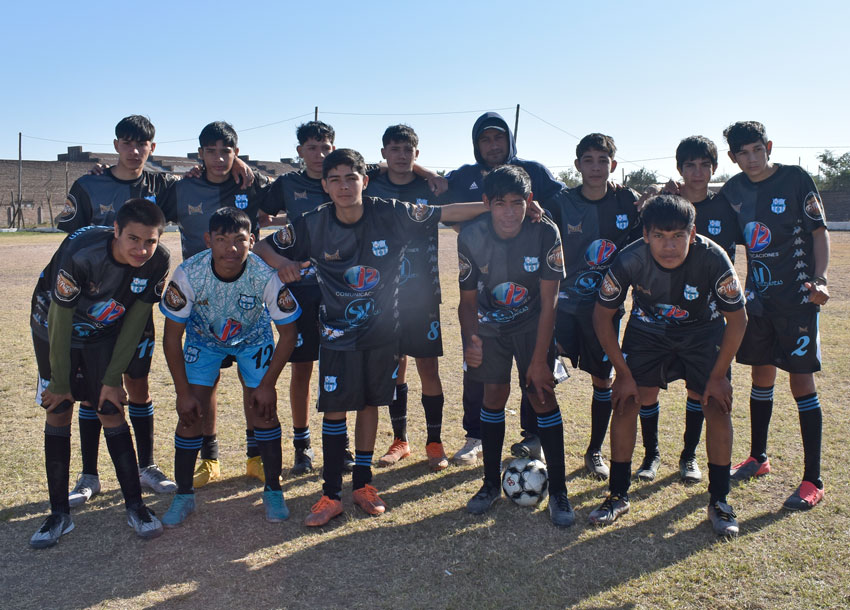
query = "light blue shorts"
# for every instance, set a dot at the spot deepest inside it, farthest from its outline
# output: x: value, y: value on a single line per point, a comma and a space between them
x: 203, y: 361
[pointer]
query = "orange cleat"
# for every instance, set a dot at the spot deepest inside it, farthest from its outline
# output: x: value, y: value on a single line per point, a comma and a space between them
x: 437, y: 459
x: 398, y: 451
x: 367, y: 499
x: 323, y: 511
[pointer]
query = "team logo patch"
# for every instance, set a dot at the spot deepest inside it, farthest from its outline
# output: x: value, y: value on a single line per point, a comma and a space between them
x: 509, y: 294
x: 728, y: 288
x: 691, y: 292
x: 330, y: 333
x: 362, y: 278
x: 813, y: 206
x: 622, y: 221
x: 66, y: 287
x: 588, y: 283
x: 82, y: 330
x: 671, y: 312
x: 500, y: 316
x: 610, y: 288
x: 191, y: 354
x: 405, y: 272
x: 227, y: 330
x: 247, y: 302
x: 761, y: 276
x: 555, y: 258
x: 573, y: 228
x: 241, y: 201
x: 330, y: 383
x: 714, y: 227
x: 358, y: 312
x: 106, y: 209
x: 599, y: 252
x: 106, y: 312
x: 151, y: 198
x: 174, y: 299
x: 464, y: 267
x: 379, y: 247
x: 138, y: 284
x: 284, y: 237
x: 195, y: 209
x: 299, y: 341
x: 757, y: 236
x: 299, y: 195
x: 69, y: 210
x: 777, y: 206
x: 531, y: 264
x: 473, y: 186
x: 420, y: 201
x: 285, y: 301
x: 419, y: 212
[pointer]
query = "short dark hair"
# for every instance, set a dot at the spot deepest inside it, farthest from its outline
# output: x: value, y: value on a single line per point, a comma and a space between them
x: 229, y: 220
x: 136, y: 128
x: 218, y: 130
x: 344, y: 156
x: 142, y: 211
x: 668, y: 213
x: 315, y: 130
x: 401, y: 133
x: 596, y: 141
x: 507, y: 180
x: 696, y: 147
x: 742, y: 133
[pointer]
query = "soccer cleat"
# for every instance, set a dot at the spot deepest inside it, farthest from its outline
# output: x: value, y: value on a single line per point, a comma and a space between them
x: 254, y: 468
x: 437, y: 459
x: 806, y: 496
x: 610, y: 511
x: 144, y: 521
x: 649, y: 467
x: 54, y: 527
x: 276, y: 510
x: 398, y: 451
x: 303, y: 461
x: 689, y: 470
x: 206, y: 472
x: 722, y: 519
x: 595, y: 465
x: 181, y: 507
x: 529, y: 447
x: 468, y: 454
x: 323, y: 511
x: 87, y: 487
x: 153, y: 478
x: 749, y: 469
x: 560, y: 510
x: 484, y: 499
x: 348, y: 461
x: 367, y: 498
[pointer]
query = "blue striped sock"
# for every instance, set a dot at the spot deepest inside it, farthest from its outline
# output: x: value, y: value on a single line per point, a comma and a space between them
x: 811, y: 424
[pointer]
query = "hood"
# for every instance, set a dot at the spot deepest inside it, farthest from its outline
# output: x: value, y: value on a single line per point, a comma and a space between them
x: 490, y: 119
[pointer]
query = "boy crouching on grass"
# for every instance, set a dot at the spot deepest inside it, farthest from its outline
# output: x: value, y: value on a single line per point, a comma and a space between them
x: 510, y: 270
x: 683, y: 287
x: 223, y: 298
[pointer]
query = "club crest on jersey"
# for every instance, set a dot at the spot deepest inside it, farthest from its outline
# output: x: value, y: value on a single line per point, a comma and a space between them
x: 622, y: 221
x: 555, y: 257
x: 329, y: 384
x: 464, y: 266
x: 777, y: 206
x: 285, y: 301
x: 174, y: 298
x: 813, y: 206
x: 284, y: 237
x: 247, y: 302
x: 671, y: 312
x: 714, y: 227
x: 691, y: 292
x: 757, y: 236
x: 379, y: 247
x: 69, y: 210
x: 599, y: 251
x: 66, y: 287
x: 138, y: 284
x: 509, y: 294
x: 358, y: 312
x: 419, y: 212
x: 241, y: 201
x: 106, y: 312
x: 728, y: 288
x: 195, y: 209
x: 228, y: 329
x: 531, y: 264
x: 191, y: 354
x: 610, y: 288
x: 362, y: 278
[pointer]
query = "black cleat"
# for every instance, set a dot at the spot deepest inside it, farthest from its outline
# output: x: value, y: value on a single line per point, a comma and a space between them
x: 649, y: 467
x: 303, y: 461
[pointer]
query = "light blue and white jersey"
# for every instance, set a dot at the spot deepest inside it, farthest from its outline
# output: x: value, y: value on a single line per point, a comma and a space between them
x: 227, y: 313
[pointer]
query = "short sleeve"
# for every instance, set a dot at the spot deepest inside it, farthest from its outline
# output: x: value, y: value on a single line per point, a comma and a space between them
x: 554, y: 253
x: 468, y: 271
x: 281, y: 303
x: 812, y: 213
x: 179, y: 298
x: 69, y: 280
x: 291, y: 240
x: 168, y: 203
x: 615, y: 285
x: 416, y: 219
x: 153, y: 292
x: 76, y: 213
x: 726, y: 285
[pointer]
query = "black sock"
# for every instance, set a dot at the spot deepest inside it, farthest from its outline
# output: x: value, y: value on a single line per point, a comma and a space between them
x: 433, y: 406
x: 251, y: 449
x: 473, y: 400
x: 718, y: 482
x: 362, y: 474
x: 621, y: 473
x: 209, y: 447
x: 89, y: 438
x: 600, y: 414
x: 649, y: 428
x: 185, y: 455
x: 693, y: 427
x: 550, y: 429
x: 398, y: 412
x: 141, y: 416
x: 527, y: 416
x: 57, y: 463
x: 334, y: 437
x: 268, y: 442
x: 301, y: 437
x: 811, y: 423
x: 492, y: 439
x: 761, y: 408
x: 120, y: 445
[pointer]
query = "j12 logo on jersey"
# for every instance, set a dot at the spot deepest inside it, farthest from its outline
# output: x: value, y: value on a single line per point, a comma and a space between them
x: 106, y: 312
x: 599, y: 252
x: 672, y: 312
x: 509, y: 294
x: 229, y: 329
x: 362, y: 278
x: 757, y: 236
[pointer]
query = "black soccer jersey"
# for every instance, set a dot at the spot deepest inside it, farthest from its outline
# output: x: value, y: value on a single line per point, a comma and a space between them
x: 357, y: 266
x: 592, y: 233
x: 776, y: 218
x: 717, y: 220
x: 686, y: 297
x: 83, y: 275
x: 295, y: 193
x: 94, y: 200
x: 191, y: 202
x: 419, y: 283
x: 507, y: 272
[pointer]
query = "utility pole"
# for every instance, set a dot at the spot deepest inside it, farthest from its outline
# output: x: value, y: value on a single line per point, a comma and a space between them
x: 516, y: 122
x: 316, y: 114
x: 20, y: 183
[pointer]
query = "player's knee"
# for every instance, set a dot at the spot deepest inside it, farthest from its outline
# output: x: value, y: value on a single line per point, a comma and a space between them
x: 138, y: 390
x: 112, y: 420
x: 58, y: 420
x: 802, y: 384
x: 496, y: 395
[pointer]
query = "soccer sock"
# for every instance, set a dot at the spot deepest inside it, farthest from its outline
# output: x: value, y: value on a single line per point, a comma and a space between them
x: 527, y: 416
x: 57, y: 463
x: 433, y: 406
x: 693, y: 427
x: 120, y: 445
x: 301, y: 437
x: 718, y: 482
x: 362, y: 474
x: 473, y: 400
x: 649, y: 428
x: 620, y: 475
x: 185, y: 455
x: 251, y: 449
x: 398, y: 412
x: 600, y: 414
x: 761, y: 408
x: 209, y: 447
x: 492, y: 439
x: 268, y: 442
x: 811, y: 422
x: 89, y: 438
x: 141, y: 416
x: 334, y: 436
x: 550, y: 429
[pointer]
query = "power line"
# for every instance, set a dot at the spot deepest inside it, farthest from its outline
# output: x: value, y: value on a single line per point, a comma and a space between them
x: 411, y: 113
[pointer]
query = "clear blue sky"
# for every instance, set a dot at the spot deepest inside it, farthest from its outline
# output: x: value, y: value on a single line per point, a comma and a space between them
x: 647, y: 73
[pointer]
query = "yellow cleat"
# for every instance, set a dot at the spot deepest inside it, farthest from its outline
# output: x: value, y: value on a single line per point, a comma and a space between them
x: 254, y: 468
x: 206, y: 472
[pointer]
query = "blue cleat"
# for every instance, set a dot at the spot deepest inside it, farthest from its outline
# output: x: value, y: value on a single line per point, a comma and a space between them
x: 276, y: 510
x: 181, y: 507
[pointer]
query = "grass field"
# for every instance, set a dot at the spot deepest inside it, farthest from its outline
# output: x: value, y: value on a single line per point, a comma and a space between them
x: 426, y: 552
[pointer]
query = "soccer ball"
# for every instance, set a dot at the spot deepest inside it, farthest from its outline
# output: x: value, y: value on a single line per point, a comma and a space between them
x: 525, y: 481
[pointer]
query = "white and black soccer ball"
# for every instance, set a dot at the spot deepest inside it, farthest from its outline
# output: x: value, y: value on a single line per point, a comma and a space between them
x: 525, y: 481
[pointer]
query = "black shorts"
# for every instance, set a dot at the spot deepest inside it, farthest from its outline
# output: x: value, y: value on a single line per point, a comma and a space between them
x: 790, y: 342
x: 657, y: 359
x: 421, y: 335
x: 88, y: 366
x: 499, y: 354
x: 577, y: 341
x: 351, y: 380
x: 140, y: 365
x: 307, y: 344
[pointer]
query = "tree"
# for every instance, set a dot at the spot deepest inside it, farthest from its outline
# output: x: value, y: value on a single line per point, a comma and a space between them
x: 724, y: 177
x: 570, y: 177
x: 834, y: 171
x: 640, y: 179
